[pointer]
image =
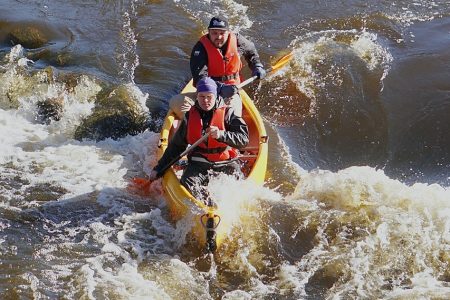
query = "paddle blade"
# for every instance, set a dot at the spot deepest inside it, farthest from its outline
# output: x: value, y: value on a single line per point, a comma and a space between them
x: 139, y: 186
x: 282, y: 61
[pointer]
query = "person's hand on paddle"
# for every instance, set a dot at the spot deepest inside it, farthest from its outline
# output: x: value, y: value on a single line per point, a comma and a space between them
x: 259, y: 71
x: 227, y: 90
x: 215, y: 132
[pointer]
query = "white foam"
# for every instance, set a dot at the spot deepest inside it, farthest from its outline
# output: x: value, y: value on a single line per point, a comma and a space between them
x: 312, y: 51
x: 368, y: 49
x: 206, y: 9
x: 375, y: 219
x: 239, y: 199
x: 237, y: 295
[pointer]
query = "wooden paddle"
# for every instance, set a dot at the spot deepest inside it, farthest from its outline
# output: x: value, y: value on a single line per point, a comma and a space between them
x: 143, y: 184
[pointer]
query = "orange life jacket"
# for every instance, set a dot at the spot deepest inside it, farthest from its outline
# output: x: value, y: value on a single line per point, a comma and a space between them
x: 224, y: 68
x: 211, y: 149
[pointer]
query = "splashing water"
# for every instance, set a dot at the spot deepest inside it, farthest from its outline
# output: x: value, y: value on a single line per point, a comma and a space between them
x: 364, y: 221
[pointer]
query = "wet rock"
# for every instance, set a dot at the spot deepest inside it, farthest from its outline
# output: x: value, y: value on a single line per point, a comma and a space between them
x: 46, y: 75
x: 63, y: 58
x: 46, y: 88
x: 103, y: 125
x: 40, y: 54
x: 55, y: 58
x: 18, y: 83
x: 50, y: 109
x: 72, y: 80
x: 115, y: 115
x: 28, y: 36
x: 75, y: 85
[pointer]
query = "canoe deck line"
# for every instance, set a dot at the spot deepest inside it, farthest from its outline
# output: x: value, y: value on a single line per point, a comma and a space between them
x: 209, y: 228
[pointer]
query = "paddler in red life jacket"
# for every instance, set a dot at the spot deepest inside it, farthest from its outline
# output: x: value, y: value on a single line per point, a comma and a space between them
x: 218, y: 55
x: 218, y: 154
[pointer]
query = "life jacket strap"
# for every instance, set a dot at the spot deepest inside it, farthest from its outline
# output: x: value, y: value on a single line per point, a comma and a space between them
x: 226, y: 77
x: 212, y: 163
x: 211, y: 150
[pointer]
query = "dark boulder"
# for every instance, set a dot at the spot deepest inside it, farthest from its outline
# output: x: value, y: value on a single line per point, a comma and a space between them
x: 115, y: 115
x: 50, y: 109
x: 28, y: 36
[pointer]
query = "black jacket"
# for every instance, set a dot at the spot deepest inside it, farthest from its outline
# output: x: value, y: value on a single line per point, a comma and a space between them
x: 199, y: 57
x: 236, y: 135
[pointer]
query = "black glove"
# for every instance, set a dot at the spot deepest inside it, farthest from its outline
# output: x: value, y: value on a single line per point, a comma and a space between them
x: 227, y: 90
x: 259, y: 71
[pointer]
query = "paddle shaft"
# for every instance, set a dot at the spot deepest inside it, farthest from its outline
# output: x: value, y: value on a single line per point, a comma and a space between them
x: 189, y: 149
x: 247, y: 81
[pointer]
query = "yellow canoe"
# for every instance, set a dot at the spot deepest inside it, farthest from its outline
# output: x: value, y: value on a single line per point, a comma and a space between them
x: 209, y: 228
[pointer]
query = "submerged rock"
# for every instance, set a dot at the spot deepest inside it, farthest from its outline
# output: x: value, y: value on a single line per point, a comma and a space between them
x: 28, y: 36
x: 116, y: 114
x: 40, y: 40
x: 61, y: 58
x: 50, y: 109
x: 117, y: 110
x: 115, y: 125
x: 18, y: 83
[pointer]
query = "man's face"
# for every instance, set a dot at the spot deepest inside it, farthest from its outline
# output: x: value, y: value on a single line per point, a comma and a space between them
x: 206, y: 100
x: 218, y: 37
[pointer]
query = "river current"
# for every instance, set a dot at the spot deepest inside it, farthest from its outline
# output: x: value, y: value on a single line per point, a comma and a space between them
x: 356, y: 203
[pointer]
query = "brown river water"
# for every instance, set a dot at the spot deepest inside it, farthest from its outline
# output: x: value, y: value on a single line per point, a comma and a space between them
x: 357, y: 199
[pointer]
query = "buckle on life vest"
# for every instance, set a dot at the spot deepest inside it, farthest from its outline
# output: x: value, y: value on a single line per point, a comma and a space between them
x: 263, y: 139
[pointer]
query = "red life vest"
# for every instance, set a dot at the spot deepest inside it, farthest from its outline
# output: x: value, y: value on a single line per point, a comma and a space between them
x: 224, y: 68
x: 211, y: 149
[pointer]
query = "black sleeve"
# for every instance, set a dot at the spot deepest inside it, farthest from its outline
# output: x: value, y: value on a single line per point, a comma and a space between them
x: 175, y: 147
x: 248, y: 50
x: 236, y: 130
x: 199, y: 62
